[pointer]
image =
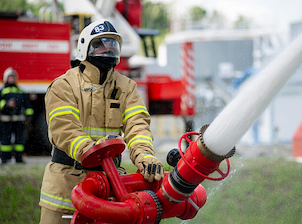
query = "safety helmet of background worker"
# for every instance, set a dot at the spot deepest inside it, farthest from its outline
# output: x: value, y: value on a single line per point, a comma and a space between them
x: 97, y: 35
x: 9, y: 71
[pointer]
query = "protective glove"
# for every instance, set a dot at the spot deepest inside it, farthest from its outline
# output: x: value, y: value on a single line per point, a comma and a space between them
x: 150, y: 167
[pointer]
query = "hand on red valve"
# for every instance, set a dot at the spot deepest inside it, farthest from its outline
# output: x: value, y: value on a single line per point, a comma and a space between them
x: 150, y: 167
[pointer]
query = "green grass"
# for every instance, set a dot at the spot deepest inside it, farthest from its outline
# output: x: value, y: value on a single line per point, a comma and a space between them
x: 19, y: 194
x: 258, y: 190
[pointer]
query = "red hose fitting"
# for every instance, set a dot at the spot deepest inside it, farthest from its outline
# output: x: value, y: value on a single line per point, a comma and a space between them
x: 179, y: 195
x: 191, y: 170
x: 138, y: 207
x: 186, y: 209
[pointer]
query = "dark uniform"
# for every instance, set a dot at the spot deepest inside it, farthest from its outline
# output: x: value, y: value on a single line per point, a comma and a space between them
x: 13, y: 117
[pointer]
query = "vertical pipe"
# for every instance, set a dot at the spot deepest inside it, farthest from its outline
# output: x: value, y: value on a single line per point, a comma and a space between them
x: 238, y: 116
x: 114, y: 178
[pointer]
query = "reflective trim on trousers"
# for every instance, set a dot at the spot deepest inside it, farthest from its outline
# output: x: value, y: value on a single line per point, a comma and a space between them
x: 57, y: 201
x: 19, y: 148
x: 6, y: 148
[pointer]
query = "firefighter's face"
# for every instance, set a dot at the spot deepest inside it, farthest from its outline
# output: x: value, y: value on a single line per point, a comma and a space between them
x: 104, y: 47
x: 100, y: 50
x: 11, y: 79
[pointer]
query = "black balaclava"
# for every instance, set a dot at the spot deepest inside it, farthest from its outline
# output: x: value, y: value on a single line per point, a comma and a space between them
x: 104, y: 64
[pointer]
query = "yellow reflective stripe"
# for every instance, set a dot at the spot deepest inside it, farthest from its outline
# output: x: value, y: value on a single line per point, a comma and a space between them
x: 10, y: 89
x: 5, y: 91
x: 147, y: 155
x: 138, y: 139
x: 133, y: 111
x: 19, y: 147
x: 98, y: 141
x: 64, y: 110
x: 6, y: 148
x: 76, y: 143
x: 14, y: 89
x: 2, y: 104
x: 29, y: 111
x: 57, y: 201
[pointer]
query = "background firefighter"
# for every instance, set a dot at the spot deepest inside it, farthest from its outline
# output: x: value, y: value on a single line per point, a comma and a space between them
x: 15, y: 112
x: 90, y: 103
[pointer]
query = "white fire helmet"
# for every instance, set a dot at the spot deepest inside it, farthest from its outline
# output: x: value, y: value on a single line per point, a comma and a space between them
x: 99, y: 39
x: 9, y: 71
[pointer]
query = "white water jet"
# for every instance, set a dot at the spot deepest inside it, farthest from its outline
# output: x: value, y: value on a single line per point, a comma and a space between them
x: 239, y: 115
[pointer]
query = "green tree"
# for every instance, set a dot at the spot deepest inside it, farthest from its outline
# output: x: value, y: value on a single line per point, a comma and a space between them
x: 23, y: 6
x: 155, y: 16
x: 14, y: 5
x: 197, y: 13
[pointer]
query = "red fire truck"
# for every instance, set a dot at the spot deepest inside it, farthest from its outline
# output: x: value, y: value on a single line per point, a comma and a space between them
x: 41, y: 51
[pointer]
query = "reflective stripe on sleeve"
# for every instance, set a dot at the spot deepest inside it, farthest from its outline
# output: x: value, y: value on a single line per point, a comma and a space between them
x: 57, y: 201
x: 147, y: 155
x: 2, y: 104
x: 64, y: 110
x: 138, y: 139
x: 133, y: 111
x: 5, y: 91
x: 75, y: 145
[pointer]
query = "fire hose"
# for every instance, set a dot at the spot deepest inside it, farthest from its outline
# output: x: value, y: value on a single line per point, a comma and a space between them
x: 112, y: 198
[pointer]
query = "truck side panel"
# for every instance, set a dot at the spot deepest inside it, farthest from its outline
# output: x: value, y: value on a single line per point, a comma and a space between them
x: 38, y: 51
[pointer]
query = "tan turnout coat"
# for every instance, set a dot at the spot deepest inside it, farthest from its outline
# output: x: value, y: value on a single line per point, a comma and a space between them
x: 79, y: 112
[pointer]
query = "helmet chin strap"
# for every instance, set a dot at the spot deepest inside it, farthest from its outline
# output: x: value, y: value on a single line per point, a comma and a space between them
x: 104, y: 64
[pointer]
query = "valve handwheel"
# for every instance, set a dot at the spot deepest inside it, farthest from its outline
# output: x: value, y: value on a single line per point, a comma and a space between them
x: 109, y: 148
x: 185, y: 136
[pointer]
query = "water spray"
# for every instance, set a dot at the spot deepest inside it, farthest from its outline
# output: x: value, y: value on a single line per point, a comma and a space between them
x: 128, y: 198
x: 240, y: 114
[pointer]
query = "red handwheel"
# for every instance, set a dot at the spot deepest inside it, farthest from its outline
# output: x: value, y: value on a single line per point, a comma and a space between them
x: 185, y: 136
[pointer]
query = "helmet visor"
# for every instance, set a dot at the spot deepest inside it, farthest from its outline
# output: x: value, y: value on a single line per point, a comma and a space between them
x: 104, y: 47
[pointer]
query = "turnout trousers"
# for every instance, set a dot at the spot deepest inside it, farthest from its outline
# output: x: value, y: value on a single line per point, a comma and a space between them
x: 7, y: 129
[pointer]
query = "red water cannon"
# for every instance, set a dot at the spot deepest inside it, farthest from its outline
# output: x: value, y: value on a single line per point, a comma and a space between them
x: 112, y: 198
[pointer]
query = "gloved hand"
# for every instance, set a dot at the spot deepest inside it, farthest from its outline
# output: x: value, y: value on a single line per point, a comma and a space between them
x: 150, y: 167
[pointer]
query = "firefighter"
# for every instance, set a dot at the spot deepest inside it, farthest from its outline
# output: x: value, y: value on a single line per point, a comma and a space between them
x: 90, y: 103
x: 15, y: 111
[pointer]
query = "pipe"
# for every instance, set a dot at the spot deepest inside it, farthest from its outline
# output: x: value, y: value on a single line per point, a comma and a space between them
x: 114, y: 178
x: 139, y: 207
x: 239, y: 115
x: 103, y: 210
x: 135, y: 182
x: 187, y: 209
x: 90, y: 196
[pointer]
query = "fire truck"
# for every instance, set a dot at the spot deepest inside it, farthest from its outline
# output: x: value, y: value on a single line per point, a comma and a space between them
x: 41, y: 50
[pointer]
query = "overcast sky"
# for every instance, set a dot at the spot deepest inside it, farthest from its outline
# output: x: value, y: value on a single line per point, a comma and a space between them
x: 263, y: 12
